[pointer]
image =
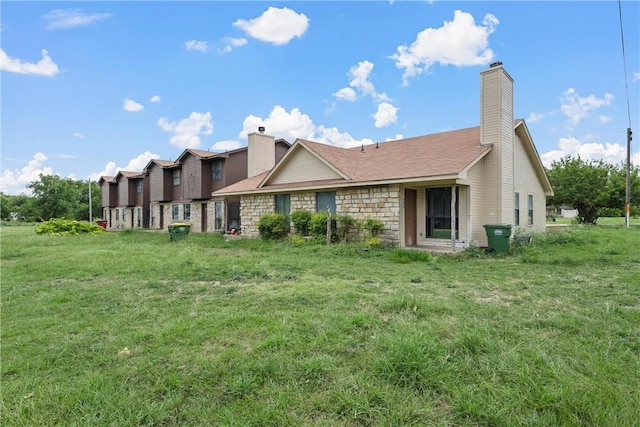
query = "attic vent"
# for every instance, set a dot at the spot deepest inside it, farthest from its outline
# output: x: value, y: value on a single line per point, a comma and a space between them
x: 261, y: 129
x: 495, y: 64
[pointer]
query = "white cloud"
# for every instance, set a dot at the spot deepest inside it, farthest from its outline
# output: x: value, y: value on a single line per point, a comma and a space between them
x: 44, y: 67
x: 135, y: 165
x: 202, y: 46
x: 398, y: 136
x: 346, y: 94
x: 70, y: 18
x: 604, y: 119
x: 295, y: 124
x: 155, y: 98
x: 186, y: 132
x: 636, y: 76
x: 535, y: 117
x: 571, y: 146
x: 231, y: 43
x: 385, y: 115
x: 78, y: 135
x: 459, y: 42
x: 14, y: 181
x: 576, y: 107
x: 228, y: 145
x: 131, y: 105
x: 277, y: 26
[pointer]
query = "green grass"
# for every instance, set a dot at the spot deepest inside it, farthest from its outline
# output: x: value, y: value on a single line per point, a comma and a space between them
x: 128, y: 328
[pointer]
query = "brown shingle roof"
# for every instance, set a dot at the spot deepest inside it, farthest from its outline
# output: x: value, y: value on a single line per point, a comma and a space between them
x: 445, y: 153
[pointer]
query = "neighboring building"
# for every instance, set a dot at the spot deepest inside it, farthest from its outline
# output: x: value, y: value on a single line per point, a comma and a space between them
x: 433, y: 191
x: 166, y: 192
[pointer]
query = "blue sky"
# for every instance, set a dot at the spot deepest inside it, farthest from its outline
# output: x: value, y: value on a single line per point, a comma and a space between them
x: 90, y: 88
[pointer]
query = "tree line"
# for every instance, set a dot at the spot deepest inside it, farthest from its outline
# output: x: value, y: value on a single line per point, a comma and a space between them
x: 593, y: 187
x: 53, y: 197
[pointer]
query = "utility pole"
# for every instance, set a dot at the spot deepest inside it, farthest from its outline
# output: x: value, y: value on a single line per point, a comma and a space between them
x: 90, y: 213
x: 627, y: 202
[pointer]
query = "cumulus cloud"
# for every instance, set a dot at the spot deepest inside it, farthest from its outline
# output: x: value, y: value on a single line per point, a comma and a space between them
x: 277, y: 26
x: 133, y: 106
x: 295, y: 124
x: 346, y: 94
x: 613, y: 153
x: 135, y: 165
x: 459, y: 42
x: 228, y: 145
x: 155, y: 98
x: 576, y: 107
x: 535, y: 117
x: 231, y: 43
x: 70, y: 18
x: 636, y: 76
x: 199, y: 45
x: 187, y: 132
x: 385, y: 115
x: 44, y: 67
x: 359, y: 75
x: 14, y: 181
x: 78, y: 135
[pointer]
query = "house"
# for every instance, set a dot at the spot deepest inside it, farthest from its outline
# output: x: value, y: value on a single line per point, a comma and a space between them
x: 180, y: 191
x: 124, y: 203
x: 434, y: 191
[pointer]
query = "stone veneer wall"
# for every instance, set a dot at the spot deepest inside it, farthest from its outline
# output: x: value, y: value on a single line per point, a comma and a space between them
x: 381, y: 203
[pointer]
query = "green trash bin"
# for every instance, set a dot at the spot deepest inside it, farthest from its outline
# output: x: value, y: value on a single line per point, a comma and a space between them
x: 178, y: 231
x: 498, y: 236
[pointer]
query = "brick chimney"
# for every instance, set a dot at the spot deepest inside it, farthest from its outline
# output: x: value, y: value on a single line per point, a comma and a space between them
x: 261, y: 154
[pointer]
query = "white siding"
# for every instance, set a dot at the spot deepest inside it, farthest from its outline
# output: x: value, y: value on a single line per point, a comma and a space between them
x: 526, y: 183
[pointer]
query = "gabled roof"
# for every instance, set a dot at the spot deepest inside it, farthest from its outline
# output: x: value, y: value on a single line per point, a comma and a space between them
x: 105, y: 179
x: 442, y: 155
x: 158, y: 162
x: 521, y: 129
x: 128, y: 175
x: 200, y: 154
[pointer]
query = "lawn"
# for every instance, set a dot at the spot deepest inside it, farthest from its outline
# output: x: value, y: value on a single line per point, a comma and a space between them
x: 128, y: 328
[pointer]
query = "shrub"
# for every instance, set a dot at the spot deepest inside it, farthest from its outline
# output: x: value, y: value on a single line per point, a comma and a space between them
x: 272, y: 226
x: 65, y: 227
x: 318, y: 225
x: 373, y: 226
x: 345, y: 225
x: 372, y: 242
x: 301, y: 220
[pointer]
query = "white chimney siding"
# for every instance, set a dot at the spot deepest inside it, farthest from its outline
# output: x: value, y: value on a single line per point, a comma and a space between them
x: 497, y: 129
x: 261, y: 153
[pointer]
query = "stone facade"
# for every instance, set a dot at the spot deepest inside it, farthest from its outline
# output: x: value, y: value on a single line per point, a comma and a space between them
x: 381, y: 203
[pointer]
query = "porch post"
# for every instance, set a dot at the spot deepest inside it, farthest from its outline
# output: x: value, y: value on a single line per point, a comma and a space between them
x: 453, y: 217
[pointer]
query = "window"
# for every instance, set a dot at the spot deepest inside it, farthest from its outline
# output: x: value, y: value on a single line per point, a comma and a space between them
x: 153, y: 218
x: 174, y: 212
x: 124, y: 215
x: 139, y: 217
x: 283, y: 206
x: 516, y: 205
x: 176, y: 177
x: 439, y: 212
x: 186, y: 213
x: 326, y: 199
x: 233, y: 214
x: 217, y: 170
x: 117, y: 215
x: 139, y: 186
x: 218, y: 218
x: 530, y: 209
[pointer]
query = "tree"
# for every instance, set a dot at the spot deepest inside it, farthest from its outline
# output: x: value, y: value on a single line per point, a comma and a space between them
x: 58, y: 197
x: 589, y: 186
